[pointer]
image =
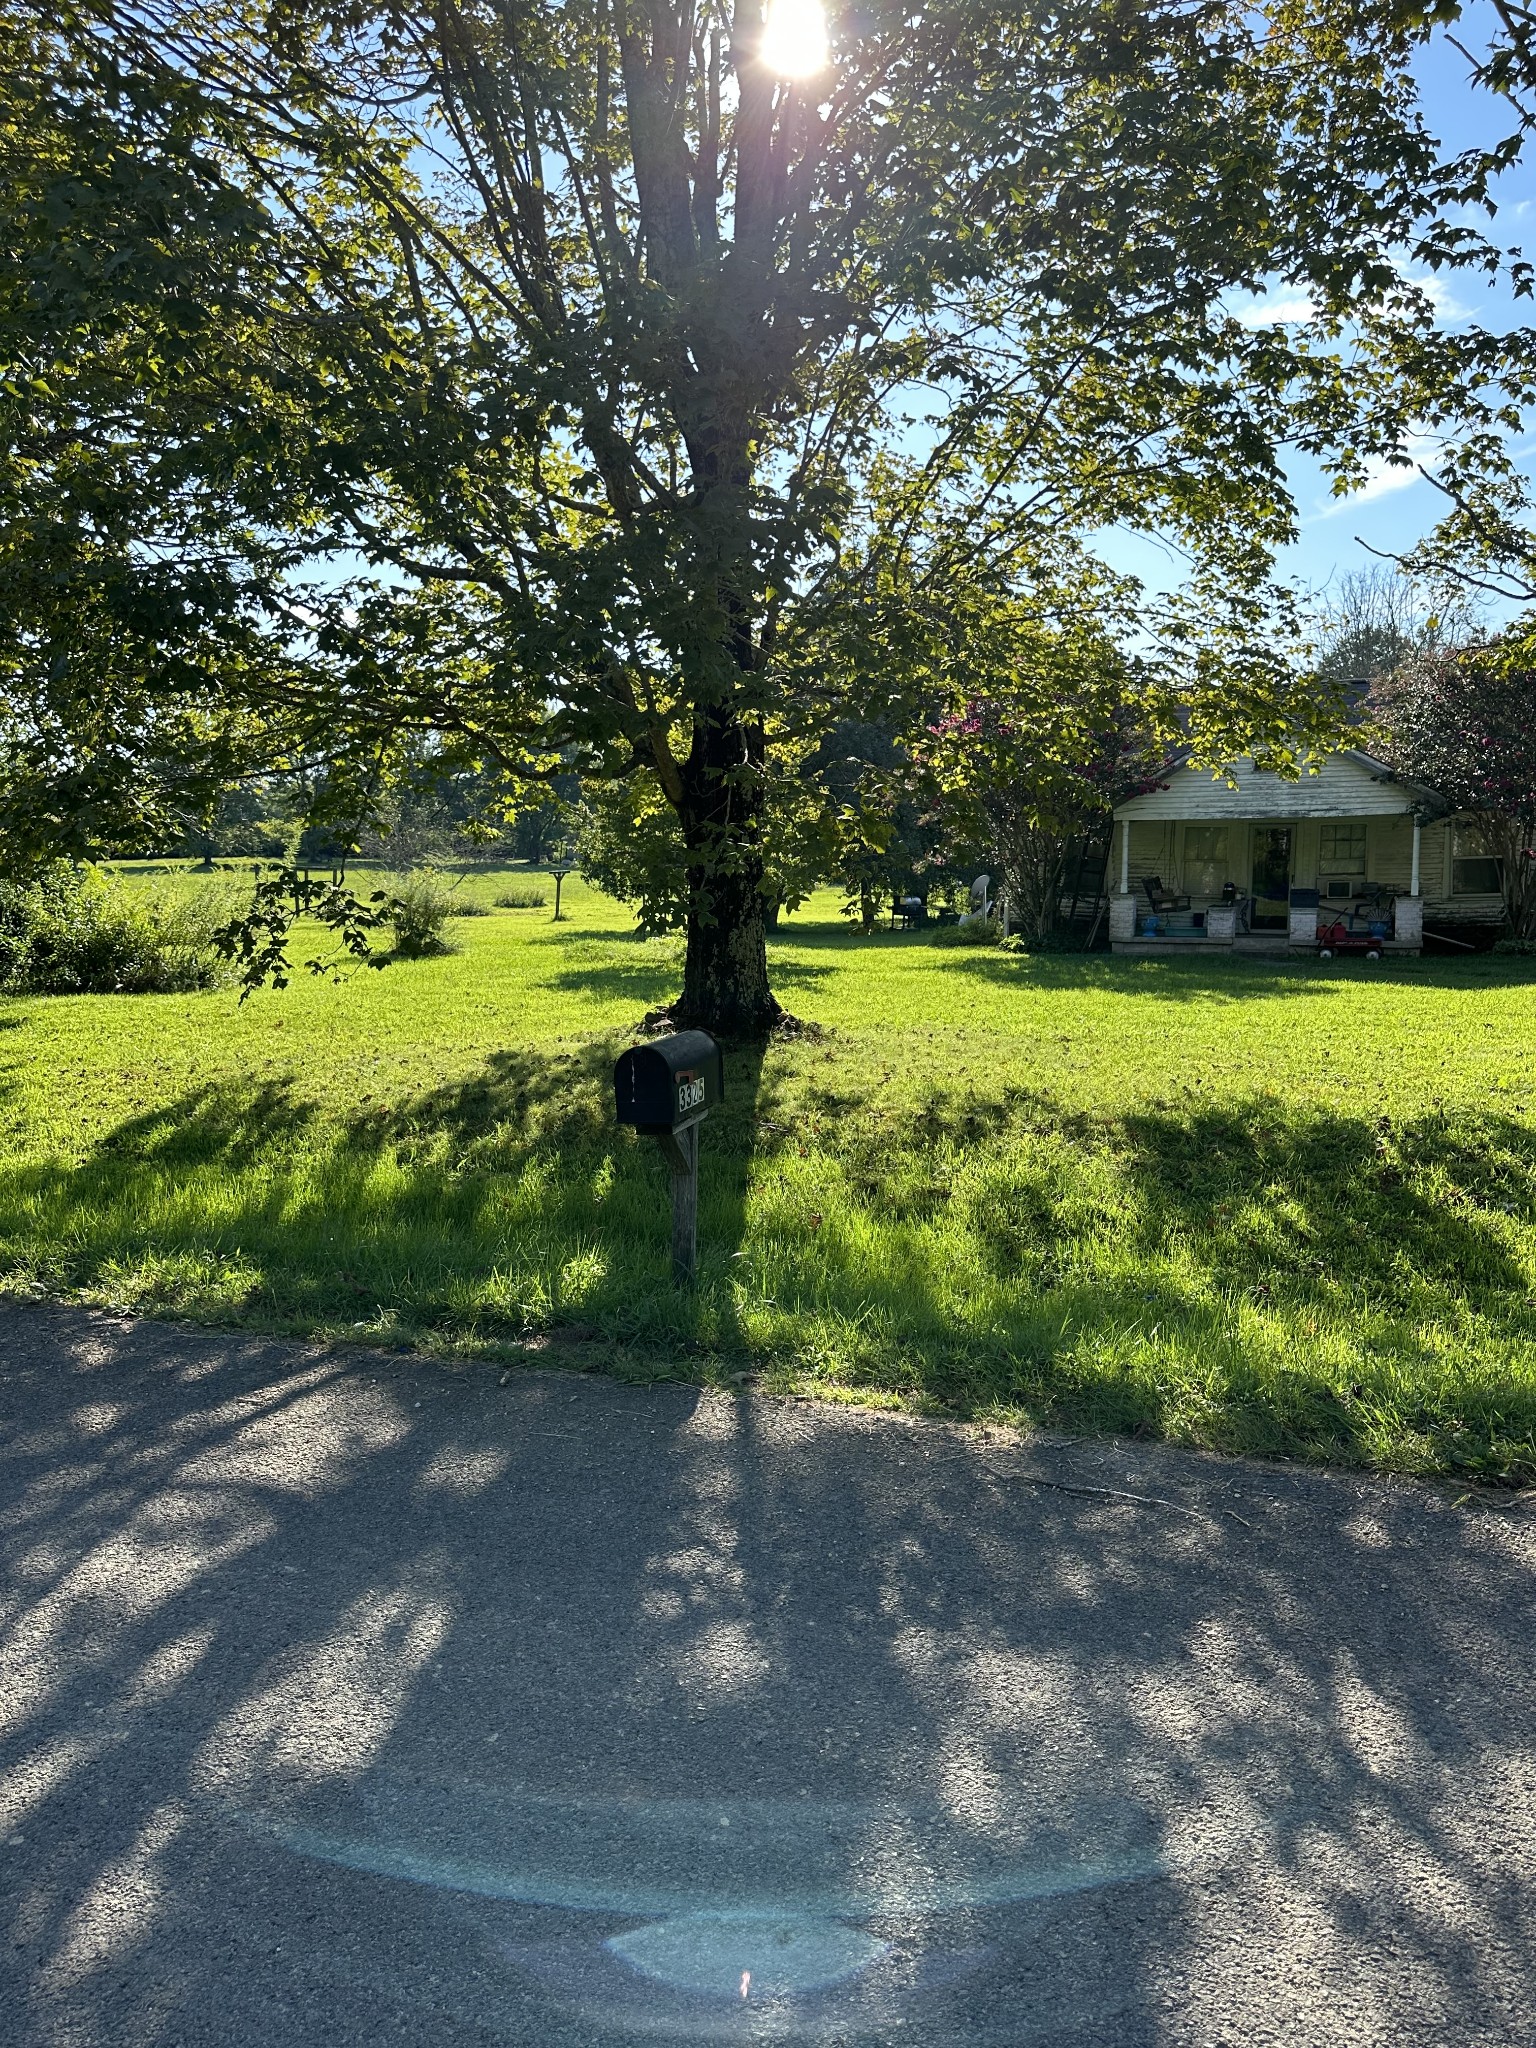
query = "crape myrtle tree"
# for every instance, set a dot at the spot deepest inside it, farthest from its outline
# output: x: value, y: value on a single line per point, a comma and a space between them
x: 588, y: 328
x: 1033, y: 788
x: 1462, y: 720
x: 1058, y: 719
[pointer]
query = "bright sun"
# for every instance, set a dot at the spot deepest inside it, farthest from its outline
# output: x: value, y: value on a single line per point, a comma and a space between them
x: 795, y: 38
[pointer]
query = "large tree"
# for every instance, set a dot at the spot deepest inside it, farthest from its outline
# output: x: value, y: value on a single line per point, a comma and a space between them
x: 641, y: 354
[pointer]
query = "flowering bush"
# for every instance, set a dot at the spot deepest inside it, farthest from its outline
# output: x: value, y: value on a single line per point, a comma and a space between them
x: 1035, y: 771
x: 1462, y: 721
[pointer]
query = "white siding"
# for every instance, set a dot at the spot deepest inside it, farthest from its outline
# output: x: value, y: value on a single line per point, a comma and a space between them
x: 1151, y: 854
x: 1389, y: 854
x: 1342, y: 787
x: 1157, y: 848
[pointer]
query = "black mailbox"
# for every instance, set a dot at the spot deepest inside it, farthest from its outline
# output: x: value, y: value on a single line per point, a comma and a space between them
x: 668, y: 1084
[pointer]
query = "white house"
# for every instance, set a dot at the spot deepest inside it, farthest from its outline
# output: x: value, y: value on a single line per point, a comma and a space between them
x: 1247, y: 861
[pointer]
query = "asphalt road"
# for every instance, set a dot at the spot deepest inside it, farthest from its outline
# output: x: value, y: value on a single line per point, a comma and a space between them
x: 353, y: 1698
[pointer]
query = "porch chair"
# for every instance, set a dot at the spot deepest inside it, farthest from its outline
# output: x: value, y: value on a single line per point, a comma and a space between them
x: 1161, y: 899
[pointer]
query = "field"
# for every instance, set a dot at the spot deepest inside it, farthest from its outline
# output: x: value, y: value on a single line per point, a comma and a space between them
x: 1281, y: 1209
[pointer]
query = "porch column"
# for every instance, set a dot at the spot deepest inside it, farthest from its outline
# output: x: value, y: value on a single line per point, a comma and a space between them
x: 1125, y: 856
x: 1418, y: 830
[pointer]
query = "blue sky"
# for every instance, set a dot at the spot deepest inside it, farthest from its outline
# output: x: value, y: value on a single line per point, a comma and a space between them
x: 1398, y: 507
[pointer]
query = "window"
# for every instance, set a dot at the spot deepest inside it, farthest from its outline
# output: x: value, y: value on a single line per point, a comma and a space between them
x: 1474, y: 872
x: 1205, y: 860
x: 1341, y: 857
x: 1343, y: 850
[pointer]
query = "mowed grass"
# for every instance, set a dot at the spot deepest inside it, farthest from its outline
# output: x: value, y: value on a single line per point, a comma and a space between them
x: 1287, y: 1209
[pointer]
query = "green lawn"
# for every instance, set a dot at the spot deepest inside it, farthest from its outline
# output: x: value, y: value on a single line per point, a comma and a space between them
x: 1268, y: 1208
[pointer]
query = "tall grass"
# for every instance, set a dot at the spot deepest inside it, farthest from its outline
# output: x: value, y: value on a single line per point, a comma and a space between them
x: 76, y: 930
x: 421, y: 904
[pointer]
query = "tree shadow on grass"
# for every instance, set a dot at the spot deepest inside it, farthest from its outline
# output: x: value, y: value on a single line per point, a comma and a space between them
x: 487, y: 1208
x: 1258, y: 1276
x: 1266, y: 1278
x: 1175, y: 981
x: 653, y: 983
x: 1234, y: 979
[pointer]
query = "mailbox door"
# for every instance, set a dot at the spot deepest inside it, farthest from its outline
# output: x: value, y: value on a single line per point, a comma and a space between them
x: 643, y: 1088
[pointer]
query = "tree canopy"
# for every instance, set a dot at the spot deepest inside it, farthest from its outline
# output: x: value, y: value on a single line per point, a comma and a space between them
x: 568, y: 381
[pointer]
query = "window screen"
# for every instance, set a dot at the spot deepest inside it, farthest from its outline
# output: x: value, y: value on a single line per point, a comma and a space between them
x: 1205, y: 860
x: 1473, y: 872
x: 1343, y: 850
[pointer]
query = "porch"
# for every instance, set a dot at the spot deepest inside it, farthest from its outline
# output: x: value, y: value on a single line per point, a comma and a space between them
x: 1254, y: 865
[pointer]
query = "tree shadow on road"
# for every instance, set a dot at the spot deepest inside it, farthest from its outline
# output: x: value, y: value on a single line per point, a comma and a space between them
x: 338, y: 1698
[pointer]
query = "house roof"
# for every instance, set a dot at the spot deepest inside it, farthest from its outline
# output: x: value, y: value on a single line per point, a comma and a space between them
x: 1348, y: 784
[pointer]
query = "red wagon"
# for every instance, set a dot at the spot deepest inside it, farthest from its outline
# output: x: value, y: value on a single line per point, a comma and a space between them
x: 1338, y: 937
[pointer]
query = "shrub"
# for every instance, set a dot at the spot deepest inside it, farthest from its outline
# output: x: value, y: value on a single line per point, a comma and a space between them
x: 970, y: 931
x: 76, y: 931
x: 1045, y: 942
x: 468, y: 906
x: 522, y: 897
x: 421, y: 905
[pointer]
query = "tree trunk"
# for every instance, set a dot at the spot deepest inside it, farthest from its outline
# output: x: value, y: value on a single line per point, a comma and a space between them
x: 1033, y: 863
x: 725, y: 970
x: 1508, y: 840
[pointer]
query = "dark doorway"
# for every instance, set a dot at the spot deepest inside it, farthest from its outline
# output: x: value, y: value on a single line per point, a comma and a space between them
x: 1271, y: 878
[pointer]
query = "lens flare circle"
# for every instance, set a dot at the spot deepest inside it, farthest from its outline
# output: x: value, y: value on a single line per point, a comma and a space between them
x: 794, y: 43
x: 736, y: 1955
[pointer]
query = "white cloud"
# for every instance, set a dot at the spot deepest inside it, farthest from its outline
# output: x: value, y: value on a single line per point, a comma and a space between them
x: 1268, y: 312
x: 1442, y: 299
x: 1260, y: 310
x: 1382, y: 477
